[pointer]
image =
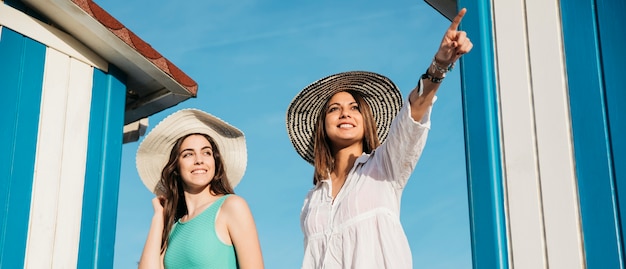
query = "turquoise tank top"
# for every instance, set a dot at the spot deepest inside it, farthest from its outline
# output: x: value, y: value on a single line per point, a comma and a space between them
x: 194, y: 244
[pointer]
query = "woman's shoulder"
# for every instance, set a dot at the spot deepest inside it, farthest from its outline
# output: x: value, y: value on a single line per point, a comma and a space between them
x: 236, y: 210
x: 234, y: 203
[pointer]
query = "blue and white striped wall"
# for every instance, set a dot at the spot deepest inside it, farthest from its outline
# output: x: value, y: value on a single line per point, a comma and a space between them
x: 545, y: 119
x: 60, y: 148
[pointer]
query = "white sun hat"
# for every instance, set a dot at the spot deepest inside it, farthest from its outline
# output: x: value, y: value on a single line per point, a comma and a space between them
x: 154, y: 152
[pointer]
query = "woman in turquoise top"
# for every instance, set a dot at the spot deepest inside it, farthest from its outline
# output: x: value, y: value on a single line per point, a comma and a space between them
x: 192, y: 161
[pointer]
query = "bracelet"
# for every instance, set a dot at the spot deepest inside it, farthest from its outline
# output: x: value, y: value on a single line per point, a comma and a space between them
x: 431, y: 78
x: 442, y: 69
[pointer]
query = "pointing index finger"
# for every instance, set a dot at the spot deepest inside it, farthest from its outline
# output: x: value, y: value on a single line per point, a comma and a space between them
x: 457, y: 20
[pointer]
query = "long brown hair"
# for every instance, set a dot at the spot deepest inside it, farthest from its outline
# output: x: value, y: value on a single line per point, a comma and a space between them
x: 324, y: 161
x: 174, y: 206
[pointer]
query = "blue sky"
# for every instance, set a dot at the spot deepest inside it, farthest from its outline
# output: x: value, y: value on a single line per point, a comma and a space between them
x: 250, y: 58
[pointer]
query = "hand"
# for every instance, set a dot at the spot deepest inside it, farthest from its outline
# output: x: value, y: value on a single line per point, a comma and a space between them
x: 454, y: 44
x: 157, y: 204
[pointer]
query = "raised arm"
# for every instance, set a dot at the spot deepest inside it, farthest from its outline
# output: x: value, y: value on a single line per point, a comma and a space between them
x: 151, y: 257
x: 243, y: 233
x: 454, y: 44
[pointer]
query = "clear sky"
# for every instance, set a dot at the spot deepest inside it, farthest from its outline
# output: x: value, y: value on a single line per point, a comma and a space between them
x: 250, y: 58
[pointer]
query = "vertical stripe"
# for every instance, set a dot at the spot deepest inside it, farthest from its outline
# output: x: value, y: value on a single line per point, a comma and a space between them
x: 612, y: 27
x: 553, y: 130
x: 44, y: 206
x: 73, y: 168
x: 487, y: 218
x: 21, y: 76
x: 103, y: 170
x: 60, y: 163
x: 519, y: 145
x: 594, y: 167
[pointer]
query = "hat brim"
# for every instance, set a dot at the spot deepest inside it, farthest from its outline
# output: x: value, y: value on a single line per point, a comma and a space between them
x: 154, y: 151
x: 380, y: 93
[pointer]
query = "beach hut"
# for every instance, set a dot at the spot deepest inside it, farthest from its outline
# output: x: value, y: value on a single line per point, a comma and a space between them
x: 544, y: 114
x: 76, y: 84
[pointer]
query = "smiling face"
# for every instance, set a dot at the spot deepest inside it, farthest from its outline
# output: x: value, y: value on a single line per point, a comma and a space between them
x: 196, y: 163
x: 344, y: 121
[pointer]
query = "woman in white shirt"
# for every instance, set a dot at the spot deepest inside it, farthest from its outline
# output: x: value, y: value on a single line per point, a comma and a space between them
x: 364, y: 144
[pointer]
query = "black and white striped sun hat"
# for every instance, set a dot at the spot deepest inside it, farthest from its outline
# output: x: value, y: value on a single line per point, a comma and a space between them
x: 380, y: 93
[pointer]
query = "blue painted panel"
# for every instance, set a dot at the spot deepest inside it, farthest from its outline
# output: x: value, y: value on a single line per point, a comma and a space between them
x: 482, y: 145
x: 104, y: 155
x: 594, y: 167
x: 21, y: 80
x: 612, y: 26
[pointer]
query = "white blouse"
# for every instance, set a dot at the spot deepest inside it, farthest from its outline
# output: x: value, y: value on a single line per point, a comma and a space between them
x: 361, y: 228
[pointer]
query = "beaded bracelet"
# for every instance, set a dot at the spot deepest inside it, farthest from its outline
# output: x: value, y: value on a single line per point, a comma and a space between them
x: 442, y: 69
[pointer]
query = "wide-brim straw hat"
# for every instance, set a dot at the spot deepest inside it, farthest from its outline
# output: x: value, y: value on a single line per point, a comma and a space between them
x: 380, y: 93
x: 154, y: 151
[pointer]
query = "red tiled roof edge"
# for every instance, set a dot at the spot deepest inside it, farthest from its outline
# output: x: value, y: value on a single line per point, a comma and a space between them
x: 137, y: 43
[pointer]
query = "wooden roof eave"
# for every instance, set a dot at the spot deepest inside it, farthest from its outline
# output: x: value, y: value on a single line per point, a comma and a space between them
x: 153, y: 82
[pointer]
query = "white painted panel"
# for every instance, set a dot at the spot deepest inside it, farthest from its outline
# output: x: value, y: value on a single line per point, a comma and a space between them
x: 525, y: 220
x: 50, y: 36
x: 73, y: 167
x: 54, y: 228
x: 558, y: 182
x: 43, y: 213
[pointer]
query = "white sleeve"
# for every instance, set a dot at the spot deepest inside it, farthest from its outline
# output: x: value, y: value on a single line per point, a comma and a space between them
x: 398, y: 155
